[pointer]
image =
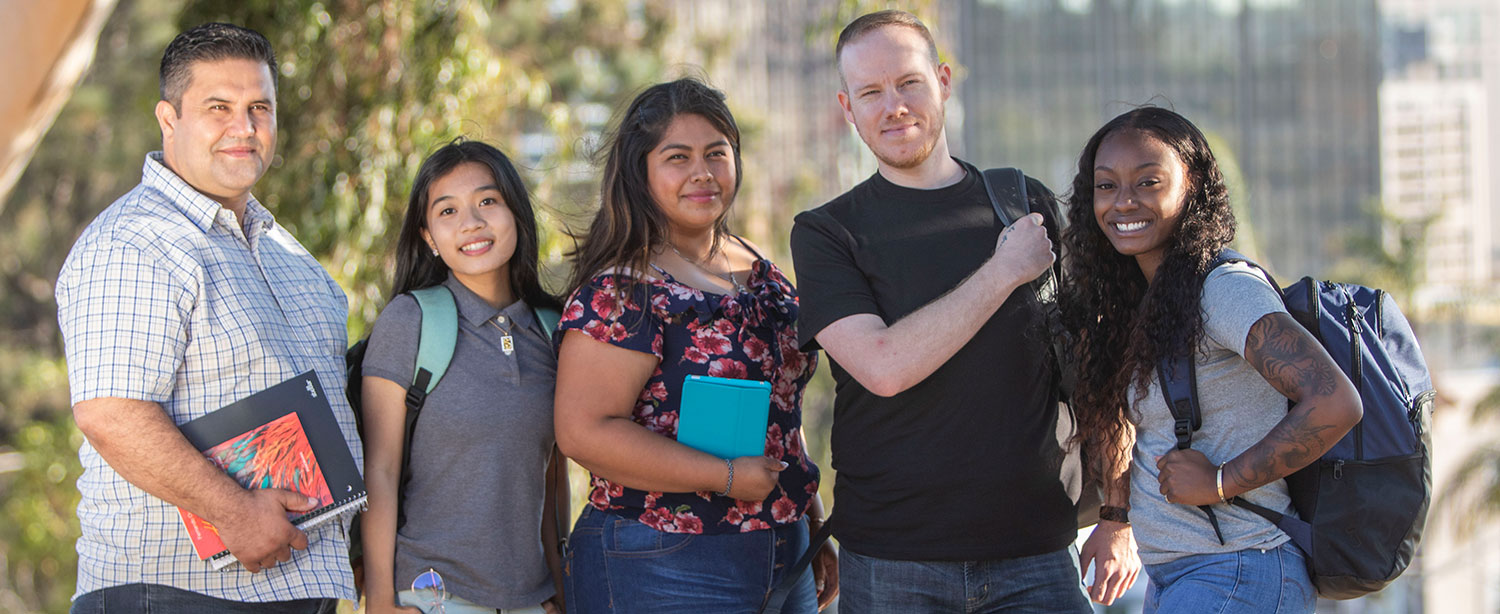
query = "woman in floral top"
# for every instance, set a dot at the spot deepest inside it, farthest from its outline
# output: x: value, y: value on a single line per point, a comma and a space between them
x: 662, y: 291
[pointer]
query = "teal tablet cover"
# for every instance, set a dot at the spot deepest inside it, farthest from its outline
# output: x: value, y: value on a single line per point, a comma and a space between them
x: 724, y: 417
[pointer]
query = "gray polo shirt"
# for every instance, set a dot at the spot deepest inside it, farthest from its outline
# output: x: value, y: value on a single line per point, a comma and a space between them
x: 1239, y: 407
x: 479, y: 454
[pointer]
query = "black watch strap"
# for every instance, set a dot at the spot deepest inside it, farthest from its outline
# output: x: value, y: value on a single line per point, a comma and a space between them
x: 1114, y: 514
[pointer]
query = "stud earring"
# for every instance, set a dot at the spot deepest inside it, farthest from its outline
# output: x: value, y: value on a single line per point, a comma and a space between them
x: 434, y: 251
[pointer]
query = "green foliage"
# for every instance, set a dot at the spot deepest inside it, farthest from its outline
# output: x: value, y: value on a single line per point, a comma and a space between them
x: 367, y: 89
x: 92, y: 155
x: 38, y: 505
x: 1395, y: 262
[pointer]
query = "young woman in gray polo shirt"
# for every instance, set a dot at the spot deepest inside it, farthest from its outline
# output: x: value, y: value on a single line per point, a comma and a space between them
x: 1149, y: 212
x: 479, y: 492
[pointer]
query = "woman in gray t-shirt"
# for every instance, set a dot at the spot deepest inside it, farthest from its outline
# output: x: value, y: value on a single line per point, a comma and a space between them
x: 476, y: 506
x: 1148, y: 213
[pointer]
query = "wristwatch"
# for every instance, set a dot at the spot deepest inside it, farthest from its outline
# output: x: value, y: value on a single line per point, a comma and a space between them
x: 1114, y: 514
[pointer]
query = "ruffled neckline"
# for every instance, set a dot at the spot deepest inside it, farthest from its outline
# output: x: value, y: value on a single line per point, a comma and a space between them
x: 765, y: 296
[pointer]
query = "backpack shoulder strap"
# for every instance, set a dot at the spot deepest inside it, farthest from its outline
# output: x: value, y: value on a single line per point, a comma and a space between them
x: 1227, y: 256
x: 1178, y: 377
x: 438, y: 337
x: 1178, y: 374
x: 549, y: 318
x: 1006, y: 188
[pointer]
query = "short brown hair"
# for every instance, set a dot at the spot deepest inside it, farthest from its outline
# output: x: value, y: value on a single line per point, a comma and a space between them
x: 873, y: 21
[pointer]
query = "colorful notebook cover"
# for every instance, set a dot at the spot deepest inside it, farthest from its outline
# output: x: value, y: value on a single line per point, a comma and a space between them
x: 724, y: 417
x: 282, y: 437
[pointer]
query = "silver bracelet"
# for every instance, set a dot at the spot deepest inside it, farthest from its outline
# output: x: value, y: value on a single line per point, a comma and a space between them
x: 729, y: 483
x: 1220, y: 480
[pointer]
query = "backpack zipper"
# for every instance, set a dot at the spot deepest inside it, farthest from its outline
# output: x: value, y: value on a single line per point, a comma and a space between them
x: 1356, y: 365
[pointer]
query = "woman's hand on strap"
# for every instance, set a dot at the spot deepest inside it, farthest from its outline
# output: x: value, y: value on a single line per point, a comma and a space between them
x: 1187, y: 478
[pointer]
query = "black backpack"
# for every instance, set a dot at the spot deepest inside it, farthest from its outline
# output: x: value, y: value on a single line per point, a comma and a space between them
x: 1006, y: 188
x: 1363, y: 505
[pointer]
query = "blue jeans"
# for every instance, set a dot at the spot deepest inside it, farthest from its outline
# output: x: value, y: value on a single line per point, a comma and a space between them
x: 1045, y: 583
x: 617, y: 564
x: 158, y: 599
x: 1255, y: 581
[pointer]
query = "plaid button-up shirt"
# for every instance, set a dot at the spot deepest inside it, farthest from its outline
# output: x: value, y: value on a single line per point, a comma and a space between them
x: 166, y: 298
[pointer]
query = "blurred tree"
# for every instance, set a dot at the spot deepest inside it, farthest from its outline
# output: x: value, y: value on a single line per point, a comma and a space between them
x: 1394, y: 260
x: 92, y: 154
x: 369, y: 88
x: 1473, y: 495
x: 366, y: 89
x: 40, y: 526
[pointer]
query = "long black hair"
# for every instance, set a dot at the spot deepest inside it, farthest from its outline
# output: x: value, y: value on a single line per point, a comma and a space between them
x: 629, y: 224
x: 417, y: 267
x: 1124, y: 325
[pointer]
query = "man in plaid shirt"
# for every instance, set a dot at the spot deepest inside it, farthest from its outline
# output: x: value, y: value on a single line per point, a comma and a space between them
x: 183, y: 296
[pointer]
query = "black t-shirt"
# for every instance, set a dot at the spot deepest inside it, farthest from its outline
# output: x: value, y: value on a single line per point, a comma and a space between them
x: 965, y: 464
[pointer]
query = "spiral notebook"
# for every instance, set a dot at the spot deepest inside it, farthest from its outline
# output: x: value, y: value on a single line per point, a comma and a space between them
x: 724, y: 417
x: 282, y: 437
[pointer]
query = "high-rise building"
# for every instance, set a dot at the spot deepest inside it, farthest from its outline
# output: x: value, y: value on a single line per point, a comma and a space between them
x: 1285, y: 90
x: 1320, y: 111
x: 1435, y: 163
x: 1440, y: 120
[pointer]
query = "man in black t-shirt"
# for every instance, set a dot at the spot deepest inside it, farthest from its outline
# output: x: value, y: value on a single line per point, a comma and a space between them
x: 948, y: 490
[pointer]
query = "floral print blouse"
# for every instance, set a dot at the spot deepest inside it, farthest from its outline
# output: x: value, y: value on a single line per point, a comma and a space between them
x: 751, y: 335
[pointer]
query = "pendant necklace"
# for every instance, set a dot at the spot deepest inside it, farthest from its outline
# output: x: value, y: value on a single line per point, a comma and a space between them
x: 507, y: 344
x: 729, y: 277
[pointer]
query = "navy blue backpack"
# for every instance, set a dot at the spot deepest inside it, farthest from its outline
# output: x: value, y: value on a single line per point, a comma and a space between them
x: 1361, y: 507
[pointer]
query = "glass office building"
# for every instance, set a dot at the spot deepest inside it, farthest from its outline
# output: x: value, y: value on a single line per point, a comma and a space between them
x: 1286, y: 91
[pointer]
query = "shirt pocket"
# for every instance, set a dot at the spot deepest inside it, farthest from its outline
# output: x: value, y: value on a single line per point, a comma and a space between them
x: 315, y: 311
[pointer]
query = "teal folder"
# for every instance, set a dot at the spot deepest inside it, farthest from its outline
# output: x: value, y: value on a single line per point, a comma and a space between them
x: 724, y: 417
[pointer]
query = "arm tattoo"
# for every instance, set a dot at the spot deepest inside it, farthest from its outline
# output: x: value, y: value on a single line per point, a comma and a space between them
x: 1290, y: 358
x: 1294, y: 443
x: 1291, y: 361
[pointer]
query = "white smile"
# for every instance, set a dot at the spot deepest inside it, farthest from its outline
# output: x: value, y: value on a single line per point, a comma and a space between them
x: 1130, y: 226
x: 475, y: 246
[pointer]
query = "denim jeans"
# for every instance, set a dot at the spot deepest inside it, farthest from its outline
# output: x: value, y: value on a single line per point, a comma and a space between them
x: 159, y: 599
x: 617, y: 564
x: 1255, y: 581
x: 1045, y: 583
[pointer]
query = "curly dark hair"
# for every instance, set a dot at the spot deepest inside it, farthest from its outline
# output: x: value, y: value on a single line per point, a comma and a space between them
x: 1122, y: 324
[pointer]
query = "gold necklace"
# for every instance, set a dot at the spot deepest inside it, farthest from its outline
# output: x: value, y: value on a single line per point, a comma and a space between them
x: 729, y: 277
x: 507, y: 344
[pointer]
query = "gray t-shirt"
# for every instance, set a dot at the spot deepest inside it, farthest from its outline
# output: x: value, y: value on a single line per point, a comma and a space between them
x: 1239, y: 407
x: 479, y: 454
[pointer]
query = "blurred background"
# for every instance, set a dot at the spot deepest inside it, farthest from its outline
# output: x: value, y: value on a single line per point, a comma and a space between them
x: 1361, y: 140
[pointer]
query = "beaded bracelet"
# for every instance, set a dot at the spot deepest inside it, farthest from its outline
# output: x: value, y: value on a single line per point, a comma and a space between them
x: 729, y: 483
